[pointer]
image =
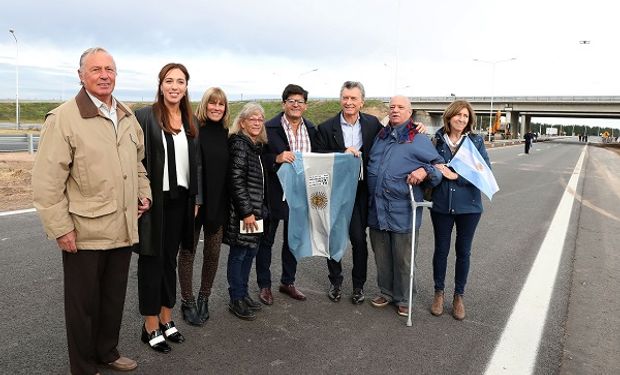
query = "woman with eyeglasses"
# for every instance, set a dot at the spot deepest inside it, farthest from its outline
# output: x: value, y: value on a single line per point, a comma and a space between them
x: 212, y: 114
x: 247, y: 190
x: 172, y: 164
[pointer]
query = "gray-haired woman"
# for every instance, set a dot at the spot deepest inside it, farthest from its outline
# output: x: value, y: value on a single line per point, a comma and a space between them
x: 247, y: 190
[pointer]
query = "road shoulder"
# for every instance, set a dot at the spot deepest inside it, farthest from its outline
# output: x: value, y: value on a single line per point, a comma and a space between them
x: 592, y: 340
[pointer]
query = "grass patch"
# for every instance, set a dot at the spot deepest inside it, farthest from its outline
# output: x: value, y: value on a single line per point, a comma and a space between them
x: 317, y: 112
x: 29, y: 112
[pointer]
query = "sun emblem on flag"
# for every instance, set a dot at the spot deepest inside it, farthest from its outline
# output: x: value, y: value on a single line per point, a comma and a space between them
x: 479, y: 167
x: 318, y: 200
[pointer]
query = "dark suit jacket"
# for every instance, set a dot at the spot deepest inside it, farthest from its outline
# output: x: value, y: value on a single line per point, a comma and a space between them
x: 276, y: 144
x: 330, y: 139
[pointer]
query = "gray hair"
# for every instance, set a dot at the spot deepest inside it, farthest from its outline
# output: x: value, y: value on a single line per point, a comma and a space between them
x: 351, y: 85
x: 92, y: 51
x: 248, y: 110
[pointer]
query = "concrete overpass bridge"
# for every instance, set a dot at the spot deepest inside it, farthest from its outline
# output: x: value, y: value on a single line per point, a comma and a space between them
x: 519, y: 110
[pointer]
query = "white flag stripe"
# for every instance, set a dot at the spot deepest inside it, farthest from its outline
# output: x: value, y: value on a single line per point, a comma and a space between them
x: 318, y: 170
x: 469, y: 164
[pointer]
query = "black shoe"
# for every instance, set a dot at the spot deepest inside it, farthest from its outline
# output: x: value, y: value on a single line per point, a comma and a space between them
x: 241, y: 310
x: 155, y: 340
x: 171, y: 332
x: 252, y: 305
x: 191, y: 313
x: 334, y: 293
x: 203, y: 309
x: 358, y: 296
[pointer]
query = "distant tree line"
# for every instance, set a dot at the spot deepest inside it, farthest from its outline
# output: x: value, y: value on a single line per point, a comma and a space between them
x: 574, y: 129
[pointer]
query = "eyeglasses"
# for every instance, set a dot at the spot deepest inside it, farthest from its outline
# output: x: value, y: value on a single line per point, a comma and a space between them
x: 255, y: 119
x: 293, y: 102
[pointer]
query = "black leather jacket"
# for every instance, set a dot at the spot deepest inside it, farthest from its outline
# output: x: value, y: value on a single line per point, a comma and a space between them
x: 246, y: 185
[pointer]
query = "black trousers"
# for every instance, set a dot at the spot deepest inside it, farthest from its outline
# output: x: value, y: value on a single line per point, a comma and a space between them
x: 95, y: 283
x: 263, y: 256
x: 359, y: 245
x: 157, y: 275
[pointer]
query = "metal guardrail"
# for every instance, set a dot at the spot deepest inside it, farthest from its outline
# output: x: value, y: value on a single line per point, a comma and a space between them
x: 519, y: 99
x: 15, y: 143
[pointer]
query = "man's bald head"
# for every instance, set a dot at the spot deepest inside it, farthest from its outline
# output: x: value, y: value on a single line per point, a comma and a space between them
x: 400, y: 109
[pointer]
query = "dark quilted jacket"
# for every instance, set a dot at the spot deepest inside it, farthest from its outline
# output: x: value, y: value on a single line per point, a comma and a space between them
x: 246, y: 187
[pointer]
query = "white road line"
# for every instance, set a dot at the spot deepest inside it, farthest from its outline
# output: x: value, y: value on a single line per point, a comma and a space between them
x: 17, y: 212
x: 518, y: 346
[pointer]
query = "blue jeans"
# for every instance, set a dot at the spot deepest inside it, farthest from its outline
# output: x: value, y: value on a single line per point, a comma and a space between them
x: 393, y: 258
x: 465, y: 229
x: 238, y: 270
x: 263, y: 258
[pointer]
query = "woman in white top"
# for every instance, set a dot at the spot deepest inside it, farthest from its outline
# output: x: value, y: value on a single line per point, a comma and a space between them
x: 172, y: 163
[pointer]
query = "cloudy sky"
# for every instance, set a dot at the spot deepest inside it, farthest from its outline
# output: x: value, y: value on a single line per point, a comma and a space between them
x: 252, y: 49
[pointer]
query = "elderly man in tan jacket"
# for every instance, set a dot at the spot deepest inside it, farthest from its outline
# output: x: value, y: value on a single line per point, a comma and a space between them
x: 89, y: 188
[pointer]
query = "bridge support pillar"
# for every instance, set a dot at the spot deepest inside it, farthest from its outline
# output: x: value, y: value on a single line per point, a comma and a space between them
x: 436, y: 123
x: 525, y: 124
x: 513, y: 119
x: 432, y: 121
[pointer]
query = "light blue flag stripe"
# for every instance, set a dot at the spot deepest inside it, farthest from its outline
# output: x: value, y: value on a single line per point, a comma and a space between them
x: 469, y: 164
x: 292, y: 180
x: 344, y: 189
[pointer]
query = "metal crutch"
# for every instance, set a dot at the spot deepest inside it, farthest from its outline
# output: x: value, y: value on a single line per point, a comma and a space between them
x: 414, y: 206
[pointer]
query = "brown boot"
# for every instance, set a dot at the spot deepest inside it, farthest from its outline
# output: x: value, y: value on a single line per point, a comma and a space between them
x: 458, y: 308
x: 437, y: 306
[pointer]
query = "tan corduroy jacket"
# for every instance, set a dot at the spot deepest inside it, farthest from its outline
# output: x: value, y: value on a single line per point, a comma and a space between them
x: 88, y: 177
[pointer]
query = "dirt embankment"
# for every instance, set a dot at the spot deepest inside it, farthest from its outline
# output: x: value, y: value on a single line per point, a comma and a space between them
x: 15, y: 177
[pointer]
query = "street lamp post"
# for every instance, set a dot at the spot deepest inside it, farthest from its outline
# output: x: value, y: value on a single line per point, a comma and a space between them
x: 493, y: 63
x: 16, y: 79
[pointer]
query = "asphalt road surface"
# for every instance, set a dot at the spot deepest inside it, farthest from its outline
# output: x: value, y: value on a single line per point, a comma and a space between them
x: 579, y: 331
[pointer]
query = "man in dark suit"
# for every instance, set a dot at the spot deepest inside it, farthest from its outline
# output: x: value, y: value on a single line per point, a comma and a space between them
x: 354, y: 132
x: 529, y: 138
x: 287, y: 132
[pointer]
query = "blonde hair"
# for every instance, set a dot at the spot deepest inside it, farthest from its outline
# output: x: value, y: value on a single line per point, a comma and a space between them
x: 248, y: 110
x: 213, y: 95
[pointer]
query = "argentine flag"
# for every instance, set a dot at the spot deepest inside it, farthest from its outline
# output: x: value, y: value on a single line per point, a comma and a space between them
x: 320, y: 190
x: 469, y: 164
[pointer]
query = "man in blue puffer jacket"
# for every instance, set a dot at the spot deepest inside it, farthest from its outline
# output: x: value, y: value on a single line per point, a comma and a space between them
x: 399, y: 157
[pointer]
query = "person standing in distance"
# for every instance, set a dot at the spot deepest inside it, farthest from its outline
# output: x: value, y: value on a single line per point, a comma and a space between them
x: 529, y: 139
